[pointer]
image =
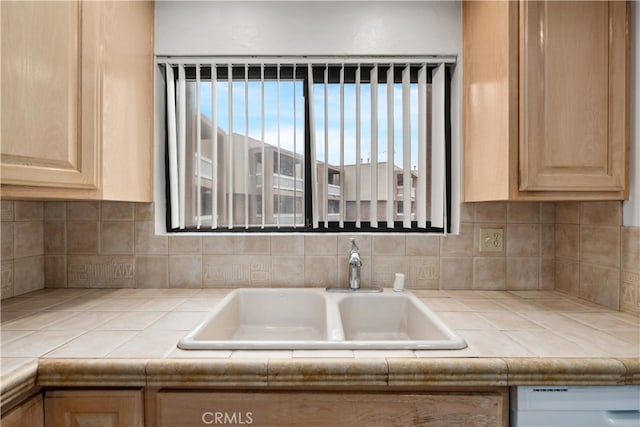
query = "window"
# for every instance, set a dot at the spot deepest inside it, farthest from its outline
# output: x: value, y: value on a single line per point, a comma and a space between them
x: 312, y: 147
x: 334, y: 206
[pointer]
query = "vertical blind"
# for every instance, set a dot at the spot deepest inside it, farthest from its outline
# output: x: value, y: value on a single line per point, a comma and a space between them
x: 415, y: 126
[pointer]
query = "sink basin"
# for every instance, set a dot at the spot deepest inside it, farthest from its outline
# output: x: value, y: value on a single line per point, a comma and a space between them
x: 388, y: 318
x: 267, y: 319
x: 315, y: 319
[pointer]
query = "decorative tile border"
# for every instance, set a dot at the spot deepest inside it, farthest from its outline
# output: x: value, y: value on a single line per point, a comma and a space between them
x: 630, y: 292
x: 233, y: 271
x: 101, y: 271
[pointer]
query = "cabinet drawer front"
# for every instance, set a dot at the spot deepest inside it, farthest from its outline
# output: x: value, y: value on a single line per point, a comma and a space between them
x: 90, y: 408
x: 187, y: 409
x: 574, y: 93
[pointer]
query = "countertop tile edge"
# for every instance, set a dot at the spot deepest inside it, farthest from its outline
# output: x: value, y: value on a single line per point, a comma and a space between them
x: 18, y: 384
x: 567, y: 371
x: 632, y: 376
x: 328, y: 372
x: 89, y: 372
x: 207, y: 373
x: 453, y: 371
x: 316, y: 372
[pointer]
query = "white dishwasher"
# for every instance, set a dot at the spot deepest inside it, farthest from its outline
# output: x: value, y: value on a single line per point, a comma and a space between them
x: 557, y: 406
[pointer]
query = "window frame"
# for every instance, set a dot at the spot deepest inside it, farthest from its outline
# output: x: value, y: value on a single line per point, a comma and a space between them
x: 332, y: 226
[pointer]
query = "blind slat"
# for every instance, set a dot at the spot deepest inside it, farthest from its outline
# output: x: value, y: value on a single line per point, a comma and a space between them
x: 325, y: 199
x: 247, y: 174
x: 438, y: 182
x: 262, y: 205
x: 406, y: 149
x: 198, y: 153
x: 421, y: 187
x: 214, y: 147
x: 390, y: 154
x: 374, y: 148
x: 358, y: 168
x: 172, y: 149
x: 182, y: 143
x: 312, y: 149
x: 295, y: 153
x: 279, y: 175
x: 342, y: 180
x: 230, y: 147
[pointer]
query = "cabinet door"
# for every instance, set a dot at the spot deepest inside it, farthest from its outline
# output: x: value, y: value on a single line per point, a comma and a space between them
x: 574, y: 96
x: 43, y: 98
x: 91, y: 408
x: 127, y: 101
x: 307, y: 409
x: 29, y: 414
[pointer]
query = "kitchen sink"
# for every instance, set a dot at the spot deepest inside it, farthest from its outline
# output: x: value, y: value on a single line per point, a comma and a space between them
x: 389, y: 317
x: 315, y: 319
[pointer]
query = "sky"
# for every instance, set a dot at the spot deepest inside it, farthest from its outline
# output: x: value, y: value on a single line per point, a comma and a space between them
x: 290, y: 96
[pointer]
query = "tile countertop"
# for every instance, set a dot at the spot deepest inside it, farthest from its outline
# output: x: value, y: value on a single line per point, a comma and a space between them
x: 128, y: 337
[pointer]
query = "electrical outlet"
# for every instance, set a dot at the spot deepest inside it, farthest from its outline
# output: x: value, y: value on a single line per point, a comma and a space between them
x: 491, y: 239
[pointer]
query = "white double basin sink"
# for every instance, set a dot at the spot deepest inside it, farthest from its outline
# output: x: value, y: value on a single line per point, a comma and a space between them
x: 294, y: 319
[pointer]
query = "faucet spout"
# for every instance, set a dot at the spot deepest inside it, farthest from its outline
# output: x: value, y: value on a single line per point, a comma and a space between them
x: 355, y: 263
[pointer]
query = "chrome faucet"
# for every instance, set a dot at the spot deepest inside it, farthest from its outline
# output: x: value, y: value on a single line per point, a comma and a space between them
x: 354, y: 266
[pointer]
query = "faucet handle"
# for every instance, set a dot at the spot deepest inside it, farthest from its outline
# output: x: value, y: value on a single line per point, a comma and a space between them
x: 354, y: 247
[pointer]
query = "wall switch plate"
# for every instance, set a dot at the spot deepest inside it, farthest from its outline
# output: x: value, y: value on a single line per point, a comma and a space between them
x: 491, y: 239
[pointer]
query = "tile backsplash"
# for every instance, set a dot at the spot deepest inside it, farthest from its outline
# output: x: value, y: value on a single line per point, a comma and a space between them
x: 596, y: 257
x: 579, y: 248
x: 630, y: 270
x: 22, y: 235
x: 93, y: 244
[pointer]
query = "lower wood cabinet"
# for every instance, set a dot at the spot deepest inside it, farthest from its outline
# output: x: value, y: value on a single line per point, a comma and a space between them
x: 94, y: 408
x: 433, y: 409
x: 29, y: 414
x: 478, y: 407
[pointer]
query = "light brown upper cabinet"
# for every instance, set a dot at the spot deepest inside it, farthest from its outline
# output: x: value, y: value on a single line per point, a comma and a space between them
x: 546, y: 100
x: 77, y: 100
